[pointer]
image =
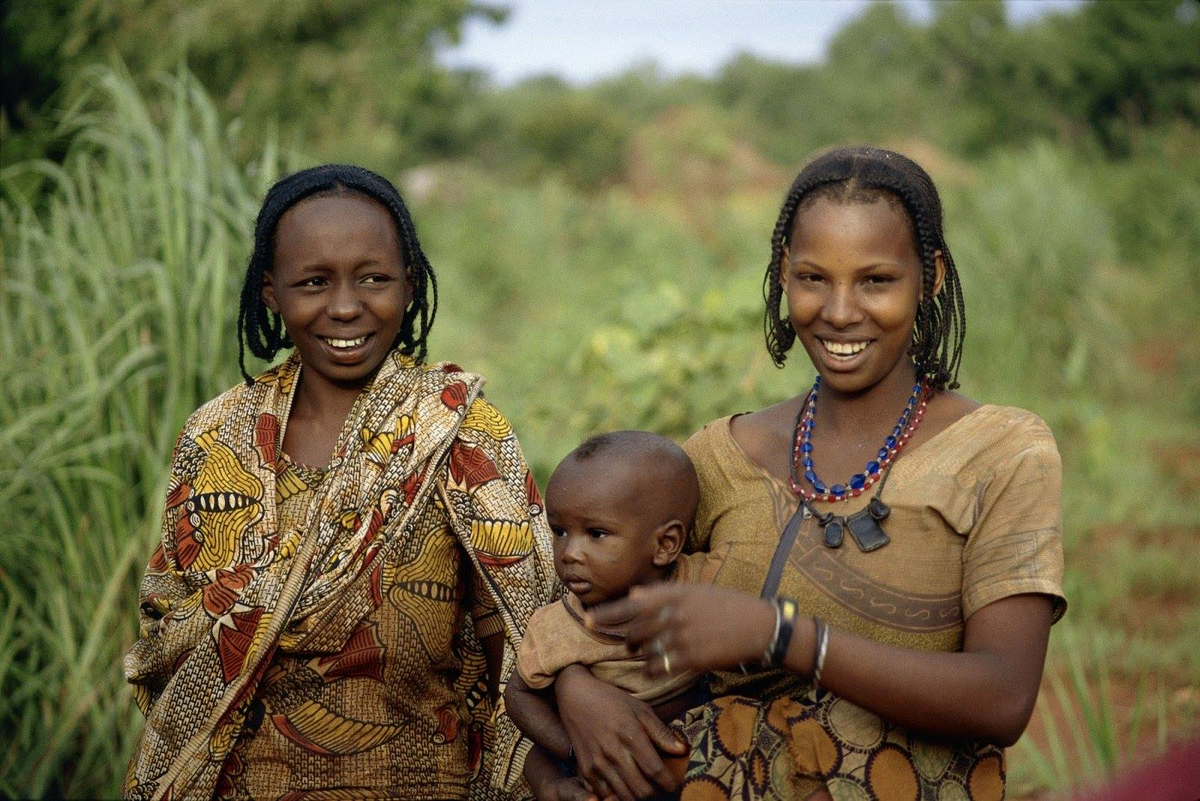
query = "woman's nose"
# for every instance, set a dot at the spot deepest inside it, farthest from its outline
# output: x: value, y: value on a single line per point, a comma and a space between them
x: 841, y: 308
x: 344, y: 303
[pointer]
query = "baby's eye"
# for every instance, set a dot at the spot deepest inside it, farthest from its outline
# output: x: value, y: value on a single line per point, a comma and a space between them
x: 597, y: 533
x: 558, y: 532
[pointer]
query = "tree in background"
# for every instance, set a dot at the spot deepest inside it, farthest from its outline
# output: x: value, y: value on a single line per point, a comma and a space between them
x: 353, y: 79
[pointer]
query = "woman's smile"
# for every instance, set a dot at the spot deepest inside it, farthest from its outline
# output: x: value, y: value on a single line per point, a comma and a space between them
x: 844, y: 355
x: 348, y: 351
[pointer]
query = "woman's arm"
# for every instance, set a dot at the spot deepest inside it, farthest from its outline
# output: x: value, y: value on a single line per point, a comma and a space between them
x: 536, y: 717
x: 985, y: 692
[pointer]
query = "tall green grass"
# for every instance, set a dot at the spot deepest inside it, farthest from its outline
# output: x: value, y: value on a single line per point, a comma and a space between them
x: 115, y: 325
x: 635, y: 306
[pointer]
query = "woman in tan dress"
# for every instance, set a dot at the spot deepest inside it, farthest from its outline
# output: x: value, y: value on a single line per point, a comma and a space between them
x: 892, y: 551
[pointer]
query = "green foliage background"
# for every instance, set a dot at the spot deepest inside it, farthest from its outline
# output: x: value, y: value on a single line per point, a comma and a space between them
x: 600, y: 252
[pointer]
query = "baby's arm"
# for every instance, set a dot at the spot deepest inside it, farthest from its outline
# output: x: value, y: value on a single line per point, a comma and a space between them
x: 536, y: 717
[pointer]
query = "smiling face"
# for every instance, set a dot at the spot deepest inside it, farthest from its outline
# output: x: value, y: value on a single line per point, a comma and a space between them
x: 608, y: 537
x: 852, y: 279
x: 339, y: 284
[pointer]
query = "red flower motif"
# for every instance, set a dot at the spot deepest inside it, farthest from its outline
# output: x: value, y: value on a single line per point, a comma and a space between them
x: 266, y: 437
x: 454, y: 396
x: 158, y: 560
x: 233, y: 640
x: 470, y: 466
x: 361, y: 657
x: 220, y: 596
x: 532, y: 496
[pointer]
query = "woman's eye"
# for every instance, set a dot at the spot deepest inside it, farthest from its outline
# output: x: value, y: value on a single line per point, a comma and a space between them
x: 880, y: 280
x: 377, y: 279
x: 316, y: 280
x: 809, y: 277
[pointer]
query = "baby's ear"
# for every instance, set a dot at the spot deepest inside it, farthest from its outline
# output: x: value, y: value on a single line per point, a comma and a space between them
x: 669, y: 538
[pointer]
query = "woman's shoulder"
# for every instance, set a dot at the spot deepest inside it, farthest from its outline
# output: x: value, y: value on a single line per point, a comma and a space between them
x: 1009, y: 428
x: 992, y: 438
x: 711, y: 440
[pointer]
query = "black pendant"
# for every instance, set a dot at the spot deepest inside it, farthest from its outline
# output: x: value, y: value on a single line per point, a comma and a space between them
x: 832, y: 526
x: 878, y: 509
x: 867, y: 532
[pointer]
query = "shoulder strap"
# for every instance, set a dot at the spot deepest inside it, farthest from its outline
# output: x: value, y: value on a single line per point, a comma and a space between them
x: 786, y: 541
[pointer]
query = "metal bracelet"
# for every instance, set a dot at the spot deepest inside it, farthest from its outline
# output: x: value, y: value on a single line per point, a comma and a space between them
x: 820, y: 647
x: 774, y: 638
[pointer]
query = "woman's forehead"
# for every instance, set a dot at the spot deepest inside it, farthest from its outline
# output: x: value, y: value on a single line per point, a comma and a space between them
x: 877, y: 224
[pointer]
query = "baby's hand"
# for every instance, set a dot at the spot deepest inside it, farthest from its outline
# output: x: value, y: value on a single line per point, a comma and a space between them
x: 568, y: 788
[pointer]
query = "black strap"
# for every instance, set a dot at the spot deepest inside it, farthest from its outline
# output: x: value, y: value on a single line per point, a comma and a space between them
x: 790, y: 531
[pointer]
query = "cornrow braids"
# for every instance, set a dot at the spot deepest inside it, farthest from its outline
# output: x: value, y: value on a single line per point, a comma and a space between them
x: 261, y: 331
x: 864, y: 174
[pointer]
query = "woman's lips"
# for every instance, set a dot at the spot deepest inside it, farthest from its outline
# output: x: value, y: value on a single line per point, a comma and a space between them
x: 844, y: 356
x: 347, y: 355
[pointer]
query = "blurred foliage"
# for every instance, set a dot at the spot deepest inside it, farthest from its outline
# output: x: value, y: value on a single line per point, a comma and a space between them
x: 347, y: 78
x: 358, y: 81
x: 600, y: 252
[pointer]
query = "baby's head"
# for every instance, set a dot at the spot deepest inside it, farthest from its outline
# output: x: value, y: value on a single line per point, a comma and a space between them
x: 620, y: 506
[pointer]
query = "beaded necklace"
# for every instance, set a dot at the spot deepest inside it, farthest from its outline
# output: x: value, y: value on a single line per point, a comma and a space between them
x: 864, y: 524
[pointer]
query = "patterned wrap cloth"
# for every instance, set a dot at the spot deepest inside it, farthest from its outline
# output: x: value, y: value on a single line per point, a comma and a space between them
x: 976, y: 514
x: 319, y: 626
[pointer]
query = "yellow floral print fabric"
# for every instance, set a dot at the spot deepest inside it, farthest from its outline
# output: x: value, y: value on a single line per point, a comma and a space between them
x: 304, y: 631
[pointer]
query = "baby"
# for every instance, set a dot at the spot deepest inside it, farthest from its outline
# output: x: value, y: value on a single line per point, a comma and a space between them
x: 620, y: 507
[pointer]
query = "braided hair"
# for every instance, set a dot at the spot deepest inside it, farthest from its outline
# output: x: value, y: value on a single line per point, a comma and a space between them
x: 261, y: 331
x: 864, y: 174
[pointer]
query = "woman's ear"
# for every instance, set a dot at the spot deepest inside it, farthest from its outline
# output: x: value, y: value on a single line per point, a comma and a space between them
x: 268, y: 292
x: 668, y: 542
x: 939, y: 272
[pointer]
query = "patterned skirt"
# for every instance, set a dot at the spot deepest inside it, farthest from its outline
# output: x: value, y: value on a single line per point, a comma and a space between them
x: 789, y: 742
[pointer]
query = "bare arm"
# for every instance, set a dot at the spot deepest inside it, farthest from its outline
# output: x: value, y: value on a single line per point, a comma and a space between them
x: 985, y: 692
x: 536, y: 717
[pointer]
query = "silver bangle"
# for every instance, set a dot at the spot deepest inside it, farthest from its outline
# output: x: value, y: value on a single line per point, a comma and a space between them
x: 770, y: 649
x: 822, y: 639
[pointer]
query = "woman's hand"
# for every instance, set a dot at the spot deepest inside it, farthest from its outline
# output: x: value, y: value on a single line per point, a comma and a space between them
x: 681, y: 627
x: 616, y: 738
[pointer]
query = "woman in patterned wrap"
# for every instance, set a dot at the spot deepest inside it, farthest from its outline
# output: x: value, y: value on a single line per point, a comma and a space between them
x: 880, y: 636
x: 352, y: 541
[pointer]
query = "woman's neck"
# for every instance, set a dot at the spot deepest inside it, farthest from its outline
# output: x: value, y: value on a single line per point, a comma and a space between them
x: 861, y: 412
x: 318, y: 399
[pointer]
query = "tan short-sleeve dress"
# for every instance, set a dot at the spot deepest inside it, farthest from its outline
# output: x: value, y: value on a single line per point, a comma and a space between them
x: 975, y: 517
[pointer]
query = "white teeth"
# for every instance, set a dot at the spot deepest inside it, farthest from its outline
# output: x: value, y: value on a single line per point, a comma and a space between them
x: 344, y: 343
x: 844, y: 348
